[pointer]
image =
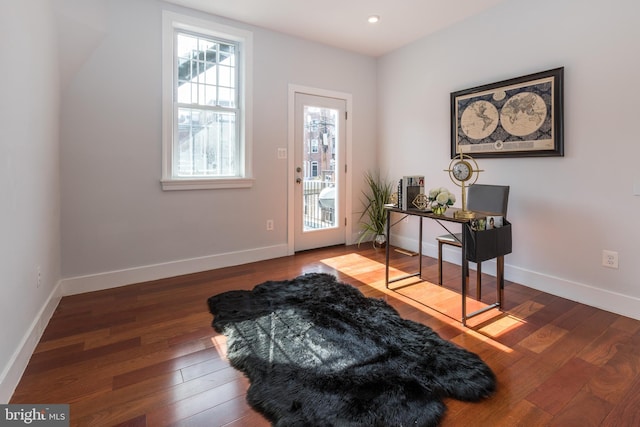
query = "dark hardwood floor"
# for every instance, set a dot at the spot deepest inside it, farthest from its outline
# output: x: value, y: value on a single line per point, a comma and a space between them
x: 146, y: 355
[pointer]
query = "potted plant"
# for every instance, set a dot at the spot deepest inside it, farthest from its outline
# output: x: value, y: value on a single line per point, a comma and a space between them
x: 376, y: 196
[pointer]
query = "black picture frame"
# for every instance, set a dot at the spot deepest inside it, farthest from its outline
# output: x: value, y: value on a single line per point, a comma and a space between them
x: 519, y: 117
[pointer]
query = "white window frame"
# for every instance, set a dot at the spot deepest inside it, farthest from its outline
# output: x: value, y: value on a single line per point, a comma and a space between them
x: 171, y: 22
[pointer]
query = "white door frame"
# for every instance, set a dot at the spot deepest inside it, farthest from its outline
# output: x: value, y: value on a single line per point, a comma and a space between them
x: 293, y: 89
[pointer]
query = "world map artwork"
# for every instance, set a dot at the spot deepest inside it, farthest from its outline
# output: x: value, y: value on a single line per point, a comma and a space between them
x: 513, y: 118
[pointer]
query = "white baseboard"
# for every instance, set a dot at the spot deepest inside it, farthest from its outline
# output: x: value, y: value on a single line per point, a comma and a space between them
x: 614, y: 302
x: 10, y: 378
x: 114, y: 279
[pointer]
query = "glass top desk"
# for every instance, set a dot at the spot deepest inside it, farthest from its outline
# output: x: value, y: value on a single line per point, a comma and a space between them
x: 477, y: 246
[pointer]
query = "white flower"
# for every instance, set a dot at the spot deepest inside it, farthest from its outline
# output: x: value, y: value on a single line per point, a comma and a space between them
x: 441, y: 196
x: 452, y: 199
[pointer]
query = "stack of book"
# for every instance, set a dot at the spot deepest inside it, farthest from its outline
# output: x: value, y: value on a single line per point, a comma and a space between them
x: 408, y: 188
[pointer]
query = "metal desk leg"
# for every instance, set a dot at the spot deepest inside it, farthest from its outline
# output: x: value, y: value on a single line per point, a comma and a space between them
x: 386, y: 272
x: 420, y: 248
x: 500, y: 280
x: 465, y: 273
x: 386, y: 263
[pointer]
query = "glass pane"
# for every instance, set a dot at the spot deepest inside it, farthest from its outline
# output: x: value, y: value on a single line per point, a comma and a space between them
x: 186, y: 45
x: 184, y: 93
x: 210, y: 95
x: 320, y: 149
x: 228, y: 55
x: 209, y: 50
x: 226, y: 76
x: 226, y: 97
x: 207, y: 143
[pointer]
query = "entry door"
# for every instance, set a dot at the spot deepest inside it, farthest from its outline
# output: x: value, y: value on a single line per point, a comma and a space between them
x: 319, y: 174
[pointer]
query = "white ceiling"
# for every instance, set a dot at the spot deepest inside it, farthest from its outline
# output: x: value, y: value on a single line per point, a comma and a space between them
x: 343, y: 23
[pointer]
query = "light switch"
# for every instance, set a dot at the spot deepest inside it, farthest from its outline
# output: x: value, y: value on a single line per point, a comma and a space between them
x: 282, y: 153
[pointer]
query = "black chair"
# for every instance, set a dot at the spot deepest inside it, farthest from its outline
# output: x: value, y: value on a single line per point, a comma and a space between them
x: 480, y: 198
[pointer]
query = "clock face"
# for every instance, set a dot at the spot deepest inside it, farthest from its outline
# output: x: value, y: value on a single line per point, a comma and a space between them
x: 461, y: 170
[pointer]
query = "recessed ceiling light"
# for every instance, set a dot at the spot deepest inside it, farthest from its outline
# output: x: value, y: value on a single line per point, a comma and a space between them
x: 373, y: 19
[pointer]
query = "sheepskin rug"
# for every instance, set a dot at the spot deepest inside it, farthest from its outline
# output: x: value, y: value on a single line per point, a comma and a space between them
x: 319, y: 353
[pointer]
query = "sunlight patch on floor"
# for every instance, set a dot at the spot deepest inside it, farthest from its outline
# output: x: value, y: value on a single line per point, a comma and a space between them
x: 502, y: 325
x: 463, y: 339
x: 415, y: 292
x: 220, y: 343
x: 360, y: 268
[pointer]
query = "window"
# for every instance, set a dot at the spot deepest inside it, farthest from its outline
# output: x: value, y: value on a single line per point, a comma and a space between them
x: 206, y: 104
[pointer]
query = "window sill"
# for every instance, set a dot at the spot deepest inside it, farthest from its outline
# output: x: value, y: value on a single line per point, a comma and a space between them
x: 206, y: 184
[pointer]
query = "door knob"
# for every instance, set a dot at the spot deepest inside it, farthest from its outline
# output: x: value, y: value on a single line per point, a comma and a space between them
x: 298, y: 180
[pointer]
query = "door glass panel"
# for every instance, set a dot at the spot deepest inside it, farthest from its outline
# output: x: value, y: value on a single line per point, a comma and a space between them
x: 320, y: 148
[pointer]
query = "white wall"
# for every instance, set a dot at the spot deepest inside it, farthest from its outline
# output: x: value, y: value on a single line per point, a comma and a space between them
x: 29, y: 194
x: 118, y: 226
x: 565, y: 210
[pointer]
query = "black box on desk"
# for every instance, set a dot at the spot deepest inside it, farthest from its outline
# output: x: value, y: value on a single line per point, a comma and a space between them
x: 487, y: 244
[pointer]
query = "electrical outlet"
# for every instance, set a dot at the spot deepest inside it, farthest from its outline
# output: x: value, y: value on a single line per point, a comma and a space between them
x: 269, y: 225
x: 38, y: 277
x: 610, y: 259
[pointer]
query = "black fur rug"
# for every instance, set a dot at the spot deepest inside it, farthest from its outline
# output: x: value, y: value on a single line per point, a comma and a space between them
x: 319, y: 353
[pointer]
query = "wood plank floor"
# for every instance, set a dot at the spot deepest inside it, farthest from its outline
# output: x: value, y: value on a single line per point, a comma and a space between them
x: 146, y: 355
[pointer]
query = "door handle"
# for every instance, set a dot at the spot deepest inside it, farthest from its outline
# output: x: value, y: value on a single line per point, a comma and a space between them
x: 298, y: 180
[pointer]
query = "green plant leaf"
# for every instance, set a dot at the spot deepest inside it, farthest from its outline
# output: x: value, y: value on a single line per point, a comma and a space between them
x: 375, y: 197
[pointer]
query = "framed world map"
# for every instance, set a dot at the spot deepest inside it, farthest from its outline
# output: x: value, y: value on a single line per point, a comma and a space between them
x: 512, y: 118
